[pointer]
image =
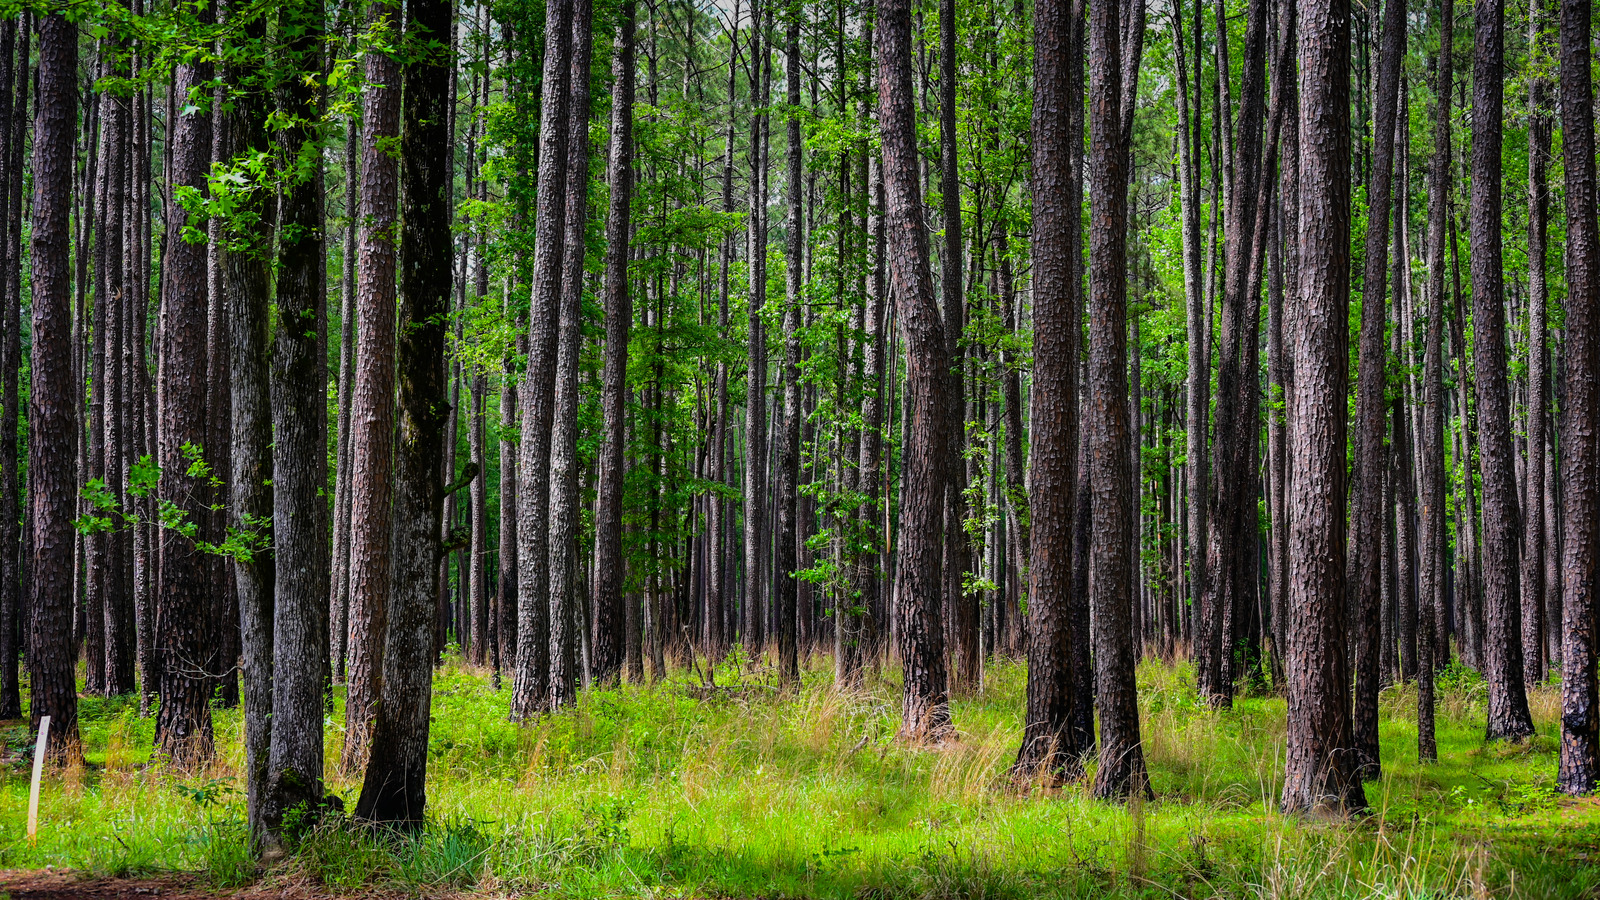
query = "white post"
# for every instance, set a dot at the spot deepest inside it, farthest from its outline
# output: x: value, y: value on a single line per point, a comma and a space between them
x: 38, y: 773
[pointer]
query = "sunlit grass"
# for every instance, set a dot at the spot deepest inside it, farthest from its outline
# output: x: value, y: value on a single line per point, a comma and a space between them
x: 750, y: 792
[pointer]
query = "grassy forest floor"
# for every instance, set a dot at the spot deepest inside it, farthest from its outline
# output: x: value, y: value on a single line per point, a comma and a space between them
x: 654, y: 791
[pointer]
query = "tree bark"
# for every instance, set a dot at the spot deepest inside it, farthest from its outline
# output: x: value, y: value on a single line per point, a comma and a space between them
x: 1320, y: 772
x: 610, y: 573
x: 372, y: 431
x: 53, y: 417
x: 1371, y: 414
x: 394, y: 790
x: 1535, y: 664
x: 1508, y: 700
x: 1580, y: 461
x: 925, y: 711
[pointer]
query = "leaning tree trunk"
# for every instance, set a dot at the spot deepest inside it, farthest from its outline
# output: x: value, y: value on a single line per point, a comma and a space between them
x: 53, y: 418
x: 394, y: 790
x: 1320, y: 771
x: 1580, y: 461
x: 186, y: 634
x: 1508, y: 698
x: 925, y: 711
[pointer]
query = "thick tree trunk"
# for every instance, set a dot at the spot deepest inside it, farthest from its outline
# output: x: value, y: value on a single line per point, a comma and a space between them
x: 609, y: 612
x: 394, y: 790
x: 925, y: 711
x: 372, y: 431
x: 1320, y: 771
x: 1508, y: 698
x: 1580, y: 461
x: 14, y: 46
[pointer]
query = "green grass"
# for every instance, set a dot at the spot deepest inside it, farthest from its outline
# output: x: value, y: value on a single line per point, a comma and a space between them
x: 650, y: 790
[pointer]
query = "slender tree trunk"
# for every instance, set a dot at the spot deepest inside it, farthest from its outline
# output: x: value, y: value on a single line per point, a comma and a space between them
x: 14, y: 58
x: 609, y: 597
x: 394, y: 790
x: 1534, y: 660
x: 1371, y: 415
x: 564, y: 511
x: 925, y: 712
x: 752, y: 631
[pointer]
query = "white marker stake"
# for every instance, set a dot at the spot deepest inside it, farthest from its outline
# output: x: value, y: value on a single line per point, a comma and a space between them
x: 38, y: 773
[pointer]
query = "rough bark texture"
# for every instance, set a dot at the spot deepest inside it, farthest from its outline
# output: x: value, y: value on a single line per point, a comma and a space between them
x: 1535, y: 660
x: 925, y: 711
x: 372, y: 432
x: 610, y: 574
x: 1121, y: 772
x: 1050, y: 746
x: 249, y: 281
x: 1320, y: 771
x: 1371, y: 411
x: 394, y: 790
x: 1580, y: 460
x: 1508, y: 698
x: 300, y: 431
x: 15, y: 106
x: 53, y: 418
x: 186, y: 631
x: 531, y: 675
x: 564, y: 511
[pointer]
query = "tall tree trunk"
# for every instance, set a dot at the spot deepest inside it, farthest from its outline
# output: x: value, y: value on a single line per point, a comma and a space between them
x: 299, y: 432
x: 372, y: 431
x: 1121, y: 771
x: 1320, y: 771
x: 925, y: 711
x: 1508, y: 698
x: 1371, y: 414
x: 610, y: 574
x: 53, y: 418
x: 1535, y: 664
x: 531, y: 681
x: 16, y: 46
x: 564, y: 512
x: 1580, y: 462
x: 788, y: 558
x: 1050, y: 744
x: 186, y: 631
x: 753, y: 608
x: 394, y: 790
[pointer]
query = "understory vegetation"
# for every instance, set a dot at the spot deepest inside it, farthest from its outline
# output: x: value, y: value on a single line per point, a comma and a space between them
x: 682, y: 790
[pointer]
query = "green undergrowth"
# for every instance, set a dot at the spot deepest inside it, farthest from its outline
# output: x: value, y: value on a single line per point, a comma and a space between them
x: 671, y: 790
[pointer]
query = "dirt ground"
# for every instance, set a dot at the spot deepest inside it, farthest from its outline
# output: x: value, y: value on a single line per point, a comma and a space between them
x: 56, y: 884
